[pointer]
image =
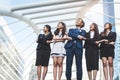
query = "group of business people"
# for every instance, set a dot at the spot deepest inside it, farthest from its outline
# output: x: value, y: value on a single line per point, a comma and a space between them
x: 71, y: 44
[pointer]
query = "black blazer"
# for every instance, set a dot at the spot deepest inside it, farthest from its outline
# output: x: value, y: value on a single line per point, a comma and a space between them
x: 111, y: 37
x: 42, y: 41
x: 90, y: 43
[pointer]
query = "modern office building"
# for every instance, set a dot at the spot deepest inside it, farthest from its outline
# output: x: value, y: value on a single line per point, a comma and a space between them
x: 117, y: 59
x: 11, y: 62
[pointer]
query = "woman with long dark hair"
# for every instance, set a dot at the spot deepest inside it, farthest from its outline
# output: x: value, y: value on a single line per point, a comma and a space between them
x: 92, y: 51
x: 108, y: 39
x: 58, y: 51
x: 43, y: 52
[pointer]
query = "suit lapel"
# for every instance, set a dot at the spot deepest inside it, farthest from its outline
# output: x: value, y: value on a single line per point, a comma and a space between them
x: 88, y: 35
x: 76, y: 31
x: 109, y: 33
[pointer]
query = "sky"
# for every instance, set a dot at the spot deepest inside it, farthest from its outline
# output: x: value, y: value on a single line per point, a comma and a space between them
x: 26, y: 37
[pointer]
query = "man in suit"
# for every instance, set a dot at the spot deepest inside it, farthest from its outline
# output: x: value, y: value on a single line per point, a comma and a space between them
x: 74, y: 47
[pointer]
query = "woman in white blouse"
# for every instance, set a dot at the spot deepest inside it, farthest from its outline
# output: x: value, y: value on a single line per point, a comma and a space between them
x: 58, y: 50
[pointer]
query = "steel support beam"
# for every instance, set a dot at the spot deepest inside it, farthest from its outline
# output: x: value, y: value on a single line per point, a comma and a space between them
x: 4, y: 12
x: 42, y: 4
x: 55, y: 13
x: 56, y: 20
x: 54, y: 8
x: 85, y: 9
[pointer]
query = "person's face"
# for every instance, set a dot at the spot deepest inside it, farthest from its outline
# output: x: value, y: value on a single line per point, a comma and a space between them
x: 60, y: 26
x: 107, y: 26
x: 79, y: 22
x: 45, y: 29
x: 92, y: 27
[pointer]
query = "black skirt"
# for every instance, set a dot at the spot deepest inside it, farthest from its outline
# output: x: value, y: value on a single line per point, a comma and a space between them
x: 107, y: 51
x: 92, y: 59
x: 42, y: 57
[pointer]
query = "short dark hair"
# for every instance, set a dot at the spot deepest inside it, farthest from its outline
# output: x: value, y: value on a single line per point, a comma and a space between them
x: 82, y: 22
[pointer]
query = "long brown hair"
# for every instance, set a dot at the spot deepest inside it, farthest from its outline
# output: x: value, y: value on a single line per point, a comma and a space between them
x: 56, y: 32
x: 96, y: 30
x: 104, y: 33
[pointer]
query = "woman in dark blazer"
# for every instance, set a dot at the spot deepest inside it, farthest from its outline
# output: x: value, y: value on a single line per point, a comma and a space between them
x: 108, y: 39
x: 43, y: 51
x: 92, y: 51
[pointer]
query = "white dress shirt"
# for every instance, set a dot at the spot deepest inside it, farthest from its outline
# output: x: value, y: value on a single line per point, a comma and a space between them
x: 79, y: 29
x: 92, y: 34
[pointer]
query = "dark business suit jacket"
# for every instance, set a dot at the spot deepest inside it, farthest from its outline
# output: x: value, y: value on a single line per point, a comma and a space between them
x: 74, y: 34
x: 90, y: 43
x: 42, y: 41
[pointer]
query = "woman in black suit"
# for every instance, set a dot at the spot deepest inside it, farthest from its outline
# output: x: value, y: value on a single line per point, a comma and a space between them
x: 92, y: 51
x: 43, y: 51
x: 108, y: 39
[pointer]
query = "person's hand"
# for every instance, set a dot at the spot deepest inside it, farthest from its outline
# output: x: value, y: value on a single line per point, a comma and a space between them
x: 66, y: 37
x: 97, y: 42
x: 69, y: 38
x: 82, y: 38
x: 49, y: 41
x: 112, y: 43
x: 104, y: 40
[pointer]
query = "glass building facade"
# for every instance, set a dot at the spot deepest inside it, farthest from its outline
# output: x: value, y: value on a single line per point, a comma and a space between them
x: 11, y: 63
